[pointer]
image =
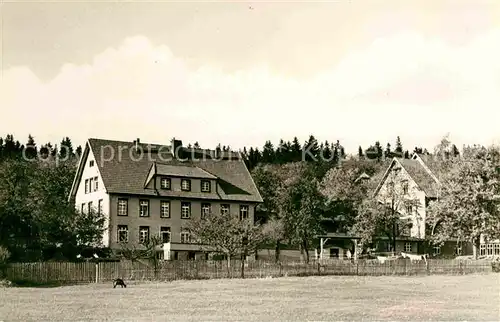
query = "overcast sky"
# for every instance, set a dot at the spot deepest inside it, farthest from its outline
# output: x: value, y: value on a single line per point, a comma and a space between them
x: 240, y: 73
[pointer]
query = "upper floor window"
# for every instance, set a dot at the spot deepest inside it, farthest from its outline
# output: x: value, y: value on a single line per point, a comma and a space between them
x: 165, y: 183
x: 185, y: 210
x: 243, y: 212
x: 186, y: 185
x: 91, y: 163
x: 206, y: 209
x: 99, y: 207
x: 165, y: 209
x: 90, y: 207
x: 122, y: 234
x: 224, y: 209
x: 205, y: 186
x: 87, y: 186
x: 409, y: 209
x: 96, y: 184
x: 144, y: 208
x: 82, y: 210
x: 122, y: 207
x: 405, y: 187
x: 143, y: 234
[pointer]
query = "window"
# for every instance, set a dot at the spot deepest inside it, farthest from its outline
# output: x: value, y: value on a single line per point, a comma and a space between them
x: 482, y: 250
x: 205, y: 186
x: 406, y: 230
x: 90, y: 207
x: 165, y: 234
x: 143, y: 234
x: 86, y: 185
x: 405, y: 187
x: 409, y: 209
x: 91, y: 163
x: 497, y: 249
x: 122, y: 234
x: 96, y: 184
x: 489, y: 247
x: 143, y: 208
x: 459, y: 250
x: 91, y: 184
x: 185, y: 237
x: 185, y: 210
x: 165, y: 209
x: 186, y: 185
x: 436, y: 250
x: 243, y: 212
x: 224, y: 209
x: 99, y: 207
x: 82, y: 210
x: 408, y: 247
x: 122, y: 207
x: 206, y: 209
x: 165, y: 183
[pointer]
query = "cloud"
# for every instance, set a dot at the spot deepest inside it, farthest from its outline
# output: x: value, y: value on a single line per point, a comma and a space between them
x: 405, y: 85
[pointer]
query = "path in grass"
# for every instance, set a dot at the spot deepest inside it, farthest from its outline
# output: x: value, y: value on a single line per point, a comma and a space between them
x: 470, y: 297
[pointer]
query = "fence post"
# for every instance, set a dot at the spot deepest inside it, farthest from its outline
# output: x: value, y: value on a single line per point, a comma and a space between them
x: 97, y: 272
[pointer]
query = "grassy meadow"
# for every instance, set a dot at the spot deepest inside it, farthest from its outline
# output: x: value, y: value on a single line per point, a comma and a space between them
x: 329, y: 298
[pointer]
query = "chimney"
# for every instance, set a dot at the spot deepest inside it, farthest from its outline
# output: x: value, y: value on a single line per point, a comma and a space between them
x: 136, y: 144
x: 175, y: 146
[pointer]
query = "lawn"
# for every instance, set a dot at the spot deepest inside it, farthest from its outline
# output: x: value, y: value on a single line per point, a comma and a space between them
x: 468, y: 297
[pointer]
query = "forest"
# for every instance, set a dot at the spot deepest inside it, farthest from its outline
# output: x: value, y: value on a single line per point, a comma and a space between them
x: 304, y: 194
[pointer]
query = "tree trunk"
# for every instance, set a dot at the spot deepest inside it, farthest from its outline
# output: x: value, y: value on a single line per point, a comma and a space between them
x: 228, y: 265
x: 475, y: 247
x: 394, y: 239
x: 277, y: 251
x: 243, y: 265
x: 306, y: 251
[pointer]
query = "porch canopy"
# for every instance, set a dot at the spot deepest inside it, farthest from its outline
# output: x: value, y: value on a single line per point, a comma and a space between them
x: 344, y: 236
x: 338, y: 236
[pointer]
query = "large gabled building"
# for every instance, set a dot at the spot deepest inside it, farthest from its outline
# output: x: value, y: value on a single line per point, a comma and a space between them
x: 153, y: 189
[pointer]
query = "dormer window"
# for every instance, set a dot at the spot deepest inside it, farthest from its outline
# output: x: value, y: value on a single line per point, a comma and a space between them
x: 186, y: 185
x: 205, y: 186
x: 165, y: 183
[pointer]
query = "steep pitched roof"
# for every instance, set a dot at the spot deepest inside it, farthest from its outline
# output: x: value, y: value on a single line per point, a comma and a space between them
x: 417, y: 170
x: 125, y: 171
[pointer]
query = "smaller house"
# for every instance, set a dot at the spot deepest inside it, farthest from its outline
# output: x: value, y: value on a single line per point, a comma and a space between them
x: 410, y: 184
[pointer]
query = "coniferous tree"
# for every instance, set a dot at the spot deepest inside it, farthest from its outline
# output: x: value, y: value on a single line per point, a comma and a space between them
x: 30, y: 150
x: 378, y: 149
x: 407, y: 154
x: 327, y: 151
x: 360, y: 152
x: 268, y: 152
x: 296, y: 150
x: 78, y: 151
x: 388, y: 153
x: 399, y: 147
x: 311, y: 149
x: 196, y: 145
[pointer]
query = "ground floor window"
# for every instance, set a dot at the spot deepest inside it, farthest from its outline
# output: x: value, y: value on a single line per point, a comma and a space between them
x: 408, y: 247
x: 489, y: 249
x: 436, y: 250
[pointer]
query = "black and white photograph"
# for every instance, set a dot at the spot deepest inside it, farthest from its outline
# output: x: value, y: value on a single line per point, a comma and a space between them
x: 249, y: 160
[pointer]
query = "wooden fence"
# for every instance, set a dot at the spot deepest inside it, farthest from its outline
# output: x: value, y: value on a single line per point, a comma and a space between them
x: 88, y: 272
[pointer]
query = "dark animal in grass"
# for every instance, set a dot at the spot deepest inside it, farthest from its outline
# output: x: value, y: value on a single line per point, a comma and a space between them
x: 120, y: 282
